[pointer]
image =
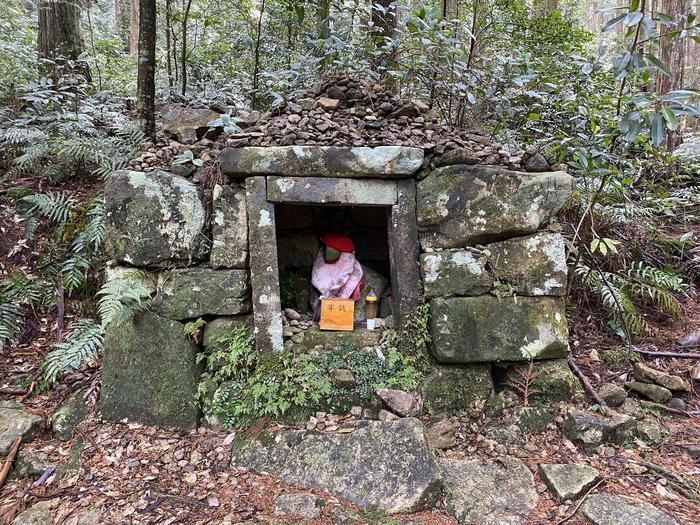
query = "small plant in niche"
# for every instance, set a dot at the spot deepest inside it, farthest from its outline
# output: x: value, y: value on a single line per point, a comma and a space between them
x: 186, y: 157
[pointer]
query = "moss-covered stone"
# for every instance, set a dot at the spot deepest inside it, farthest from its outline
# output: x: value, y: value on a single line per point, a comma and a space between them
x: 454, y: 389
x: 454, y: 272
x: 229, y: 228
x: 69, y: 416
x: 149, y: 373
x: 533, y: 265
x: 553, y: 381
x: 462, y: 205
x: 482, y: 329
x: 359, y: 338
x: 189, y: 293
x: 322, y: 161
x: 153, y: 218
x: 221, y: 327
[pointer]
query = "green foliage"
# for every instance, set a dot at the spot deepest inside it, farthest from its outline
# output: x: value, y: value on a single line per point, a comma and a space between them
x: 81, y: 346
x: 243, y: 386
x: 121, y: 298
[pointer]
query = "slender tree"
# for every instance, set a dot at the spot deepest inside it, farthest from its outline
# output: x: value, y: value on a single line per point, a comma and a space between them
x: 134, y: 27
x: 323, y: 15
x: 146, y: 82
x: 183, y: 51
x: 384, y: 18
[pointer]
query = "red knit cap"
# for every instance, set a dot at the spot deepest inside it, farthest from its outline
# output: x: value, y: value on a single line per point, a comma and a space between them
x: 338, y: 242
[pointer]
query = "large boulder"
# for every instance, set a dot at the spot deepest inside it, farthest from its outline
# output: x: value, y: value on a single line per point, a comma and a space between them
x: 37, y: 514
x: 454, y: 272
x: 454, y: 389
x: 380, y: 466
x: 487, y: 328
x: 229, y: 228
x: 532, y: 265
x: 189, y: 293
x: 462, y: 205
x: 153, y: 218
x: 150, y: 373
x: 488, y: 492
x: 15, y: 423
x: 608, y: 509
x: 322, y: 161
x: 187, y: 124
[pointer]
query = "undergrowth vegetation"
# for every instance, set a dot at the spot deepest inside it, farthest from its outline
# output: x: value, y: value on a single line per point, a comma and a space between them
x: 242, y: 385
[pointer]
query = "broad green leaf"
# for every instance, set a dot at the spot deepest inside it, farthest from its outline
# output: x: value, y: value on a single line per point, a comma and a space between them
x: 670, y: 118
x: 658, y: 65
x: 613, y: 22
x: 657, y: 130
x: 632, y: 19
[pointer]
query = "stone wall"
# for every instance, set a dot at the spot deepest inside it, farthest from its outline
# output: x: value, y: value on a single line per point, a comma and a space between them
x: 475, y: 240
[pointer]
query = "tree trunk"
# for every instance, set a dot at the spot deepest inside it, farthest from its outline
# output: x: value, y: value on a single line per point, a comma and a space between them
x: 134, y: 27
x: 168, y: 43
x: 323, y: 14
x: 146, y: 83
x: 122, y: 18
x: 672, y: 54
x: 59, y: 30
x: 183, y: 55
x: 384, y: 17
x: 256, y: 58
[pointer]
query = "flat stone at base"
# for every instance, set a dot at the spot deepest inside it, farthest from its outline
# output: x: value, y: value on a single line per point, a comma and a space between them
x: 568, y: 481
x: 14, y: 423
x: 149, y: 373
x: 608, y: 509
x: 488, y: 492
x: 379, y: 466
x: 360, y: 338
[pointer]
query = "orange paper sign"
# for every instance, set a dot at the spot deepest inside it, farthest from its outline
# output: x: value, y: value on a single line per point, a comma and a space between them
x: 337, y: 314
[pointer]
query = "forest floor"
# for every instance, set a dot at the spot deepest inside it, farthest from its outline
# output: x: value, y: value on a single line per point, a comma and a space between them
x: 136, y: 474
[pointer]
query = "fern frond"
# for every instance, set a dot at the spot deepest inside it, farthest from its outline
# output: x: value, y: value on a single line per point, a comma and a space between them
x: 121, y: 298
x: 11, y: 320
x: 74, y: 271
x: 57, y: 207
x: 81, y: 346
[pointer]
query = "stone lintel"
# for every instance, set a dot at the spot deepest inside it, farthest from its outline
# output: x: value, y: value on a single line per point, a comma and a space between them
x: 333, y: 190
x: 392, y: 162
x: 264, y: 271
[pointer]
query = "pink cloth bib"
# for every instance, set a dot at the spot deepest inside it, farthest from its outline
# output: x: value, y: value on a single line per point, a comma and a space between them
x: 339, y: 279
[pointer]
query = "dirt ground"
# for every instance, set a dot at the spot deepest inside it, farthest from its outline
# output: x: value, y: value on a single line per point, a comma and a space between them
x: 136, y: 474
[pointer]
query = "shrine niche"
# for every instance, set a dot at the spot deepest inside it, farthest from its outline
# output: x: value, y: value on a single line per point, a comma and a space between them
x: 474, y: 239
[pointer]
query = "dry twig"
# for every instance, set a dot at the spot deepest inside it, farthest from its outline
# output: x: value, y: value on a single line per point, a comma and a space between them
x: 9, y: 460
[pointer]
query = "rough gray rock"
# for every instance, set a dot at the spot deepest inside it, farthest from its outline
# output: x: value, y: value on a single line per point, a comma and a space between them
x: 229, y: 228
x: 14, y: 423
x: 302, y: 504
x: 612, y: 394
x: 462, y: 205
x: 650, y: 432
x: 568, y: 481
x: 488, y: 492
x: 380, y: 466
x: 647, y: 374
x: 535, y: 162
x: 591, y: 430
x: 71, y: 413
x: 608, y: 509
x: 656, y: 393
x: 553, y: 380
x: 486, y: 328
x: 153, y: 218
x: 187, y: 124
x: 218, y: 329
x: 322, y: 161
x: 149, y: 373
x: 441, y: 435
x: 454, y: 272
x: 405, y: 404
x: 37, y: 514
x: 189, y: 293
x: 533, y: 265
x: 455, y: 389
